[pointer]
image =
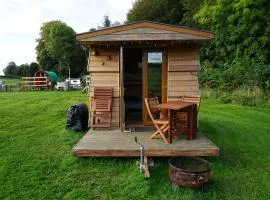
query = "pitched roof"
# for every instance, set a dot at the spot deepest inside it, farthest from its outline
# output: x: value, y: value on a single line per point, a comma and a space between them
x: 144, y: 30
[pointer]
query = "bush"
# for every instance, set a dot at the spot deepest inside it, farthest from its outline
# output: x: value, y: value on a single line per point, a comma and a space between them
x: 248, y: 96
x: 225, y: 99
x: 243, y: 96
x: 208, y: 76
x: 242, y: 72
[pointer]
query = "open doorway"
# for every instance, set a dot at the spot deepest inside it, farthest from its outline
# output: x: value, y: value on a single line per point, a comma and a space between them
x: 133, y: 87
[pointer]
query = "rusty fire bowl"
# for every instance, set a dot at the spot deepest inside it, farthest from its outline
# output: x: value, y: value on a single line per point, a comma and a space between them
x: 189, y: 172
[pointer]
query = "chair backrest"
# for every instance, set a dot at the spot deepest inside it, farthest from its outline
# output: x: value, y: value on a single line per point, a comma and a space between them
x: 149, y: 110
x: 102, y: 100
x: 157, y: 113
x: 193, y: 99
x: 103, y: 92
x: 153, y: 102
x: 102, y: 105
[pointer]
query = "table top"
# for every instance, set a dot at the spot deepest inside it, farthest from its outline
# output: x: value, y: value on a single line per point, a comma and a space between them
x: 174, y: 105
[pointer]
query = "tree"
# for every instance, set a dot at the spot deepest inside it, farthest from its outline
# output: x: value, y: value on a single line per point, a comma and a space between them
x: 116, y: 23
x: 190, y: 9
x: 57, y: 49
x: 46, y: 61
x: 92, y: 29
x: 79, y: 58
x: 10, y: 69
x: 242, y: 36
x: 242, y: 39
x: 106, y: 21
x: 33, y: 68
x: 241, y: 29
x: 60, y: 45
x: 22, y: 70
x: 166, y: 11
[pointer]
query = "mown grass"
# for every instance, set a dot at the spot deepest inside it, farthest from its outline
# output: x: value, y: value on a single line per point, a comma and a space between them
x: 10, y: 81
x: 36, y: 160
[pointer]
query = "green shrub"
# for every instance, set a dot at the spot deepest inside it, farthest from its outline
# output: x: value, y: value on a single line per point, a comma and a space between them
x: 225, y: 99
x: 243, y: 96
x: 242, y: 72
x: 248, y: 96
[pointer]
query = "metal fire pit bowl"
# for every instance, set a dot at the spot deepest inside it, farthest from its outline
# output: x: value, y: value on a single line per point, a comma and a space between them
x: 189, y: 172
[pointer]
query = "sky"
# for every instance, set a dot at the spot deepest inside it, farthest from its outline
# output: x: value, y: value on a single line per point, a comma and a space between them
x: 20, y: 22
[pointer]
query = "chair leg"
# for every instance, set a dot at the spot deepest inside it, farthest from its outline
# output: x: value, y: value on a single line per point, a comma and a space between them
x: 161, y: 130
x: 164, y: 138
x: 157, y: 132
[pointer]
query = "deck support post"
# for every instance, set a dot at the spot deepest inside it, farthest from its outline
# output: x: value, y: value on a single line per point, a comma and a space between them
x: 146, y: 168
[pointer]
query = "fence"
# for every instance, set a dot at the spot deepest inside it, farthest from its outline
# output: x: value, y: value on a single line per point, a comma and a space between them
x: 34, y: 82
x: 9, y: 88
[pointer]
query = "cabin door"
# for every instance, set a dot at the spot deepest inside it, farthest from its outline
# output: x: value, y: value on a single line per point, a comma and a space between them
x: 154, y: 78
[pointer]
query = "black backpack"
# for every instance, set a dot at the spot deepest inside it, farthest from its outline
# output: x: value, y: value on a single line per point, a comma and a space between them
x: 77, y: 117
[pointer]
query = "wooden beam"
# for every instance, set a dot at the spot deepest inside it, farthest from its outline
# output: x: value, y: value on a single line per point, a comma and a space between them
x: 140, y: 44
x: 142, y: 37
x: 167, y: 27
x: 150, y: 153
x: 114, y: 143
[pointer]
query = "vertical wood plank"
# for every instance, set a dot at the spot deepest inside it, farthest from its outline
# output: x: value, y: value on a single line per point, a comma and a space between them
x: 122, y: 106
x: 145, y: 85
x: 164, y: 76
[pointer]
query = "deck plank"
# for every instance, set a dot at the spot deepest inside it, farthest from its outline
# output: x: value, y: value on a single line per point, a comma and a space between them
x: 113, y: 143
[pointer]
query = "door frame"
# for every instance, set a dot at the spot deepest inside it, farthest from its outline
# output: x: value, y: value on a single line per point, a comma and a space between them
x: 146, y: 121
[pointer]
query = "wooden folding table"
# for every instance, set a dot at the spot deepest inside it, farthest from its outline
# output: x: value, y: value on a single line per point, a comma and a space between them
x: 190, y: 108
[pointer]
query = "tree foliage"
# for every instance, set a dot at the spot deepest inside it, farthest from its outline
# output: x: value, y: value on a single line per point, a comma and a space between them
x: 10, y: 69
x: 242, y: 40
x: 241, y: 28
x: 239, y: 55
x: 166, y: 11
x: 106, y: 21
x: 33, y: 68
x: 22, y: 70
x: 45, y: 59
x: 58, y: 51
x: 190, y: 9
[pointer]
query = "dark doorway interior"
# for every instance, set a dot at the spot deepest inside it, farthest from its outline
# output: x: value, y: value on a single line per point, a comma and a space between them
x: 133, y: 87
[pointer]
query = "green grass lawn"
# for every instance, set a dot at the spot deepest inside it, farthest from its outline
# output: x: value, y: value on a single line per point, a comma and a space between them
x: 10, y: 81
x: 36, y: 160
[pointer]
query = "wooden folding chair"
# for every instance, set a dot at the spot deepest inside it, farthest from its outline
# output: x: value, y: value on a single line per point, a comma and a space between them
x: 102, y: 107
x: 182, y: 116
x: 157, y: 113
x: 103, y: 92
x: 162, y: 125
x: 193, y: 99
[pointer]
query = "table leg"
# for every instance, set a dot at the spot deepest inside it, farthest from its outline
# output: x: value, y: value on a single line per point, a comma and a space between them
x: 192, y: 122
x: 194, y: 114
x: 189, y: 122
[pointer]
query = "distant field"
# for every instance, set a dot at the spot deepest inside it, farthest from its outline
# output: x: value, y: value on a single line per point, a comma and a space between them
x: 36, y: 160
x: 10, y: 81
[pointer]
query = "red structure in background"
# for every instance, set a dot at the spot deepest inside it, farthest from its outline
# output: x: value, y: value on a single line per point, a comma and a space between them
x: 40, y: 80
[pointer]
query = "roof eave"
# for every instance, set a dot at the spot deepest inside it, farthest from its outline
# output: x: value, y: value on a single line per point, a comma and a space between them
x: 179, y: 29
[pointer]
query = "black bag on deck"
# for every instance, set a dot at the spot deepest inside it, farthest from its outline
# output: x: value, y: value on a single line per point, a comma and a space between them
x: 77, y: 118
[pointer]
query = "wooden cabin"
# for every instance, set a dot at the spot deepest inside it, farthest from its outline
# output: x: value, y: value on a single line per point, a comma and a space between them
x: 141, y: 60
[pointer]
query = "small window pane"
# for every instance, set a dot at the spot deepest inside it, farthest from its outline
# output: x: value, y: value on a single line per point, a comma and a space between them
x: 155, y: 57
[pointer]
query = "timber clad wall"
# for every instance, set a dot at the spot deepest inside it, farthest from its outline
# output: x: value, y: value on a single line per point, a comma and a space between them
x: 183, y: 66
x: 104, y: 72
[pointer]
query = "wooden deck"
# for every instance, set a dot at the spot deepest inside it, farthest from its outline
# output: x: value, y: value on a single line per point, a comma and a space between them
x: 114, y: 143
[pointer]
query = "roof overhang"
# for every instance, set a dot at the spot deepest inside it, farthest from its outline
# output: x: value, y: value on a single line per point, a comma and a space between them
x: 144, y: 31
